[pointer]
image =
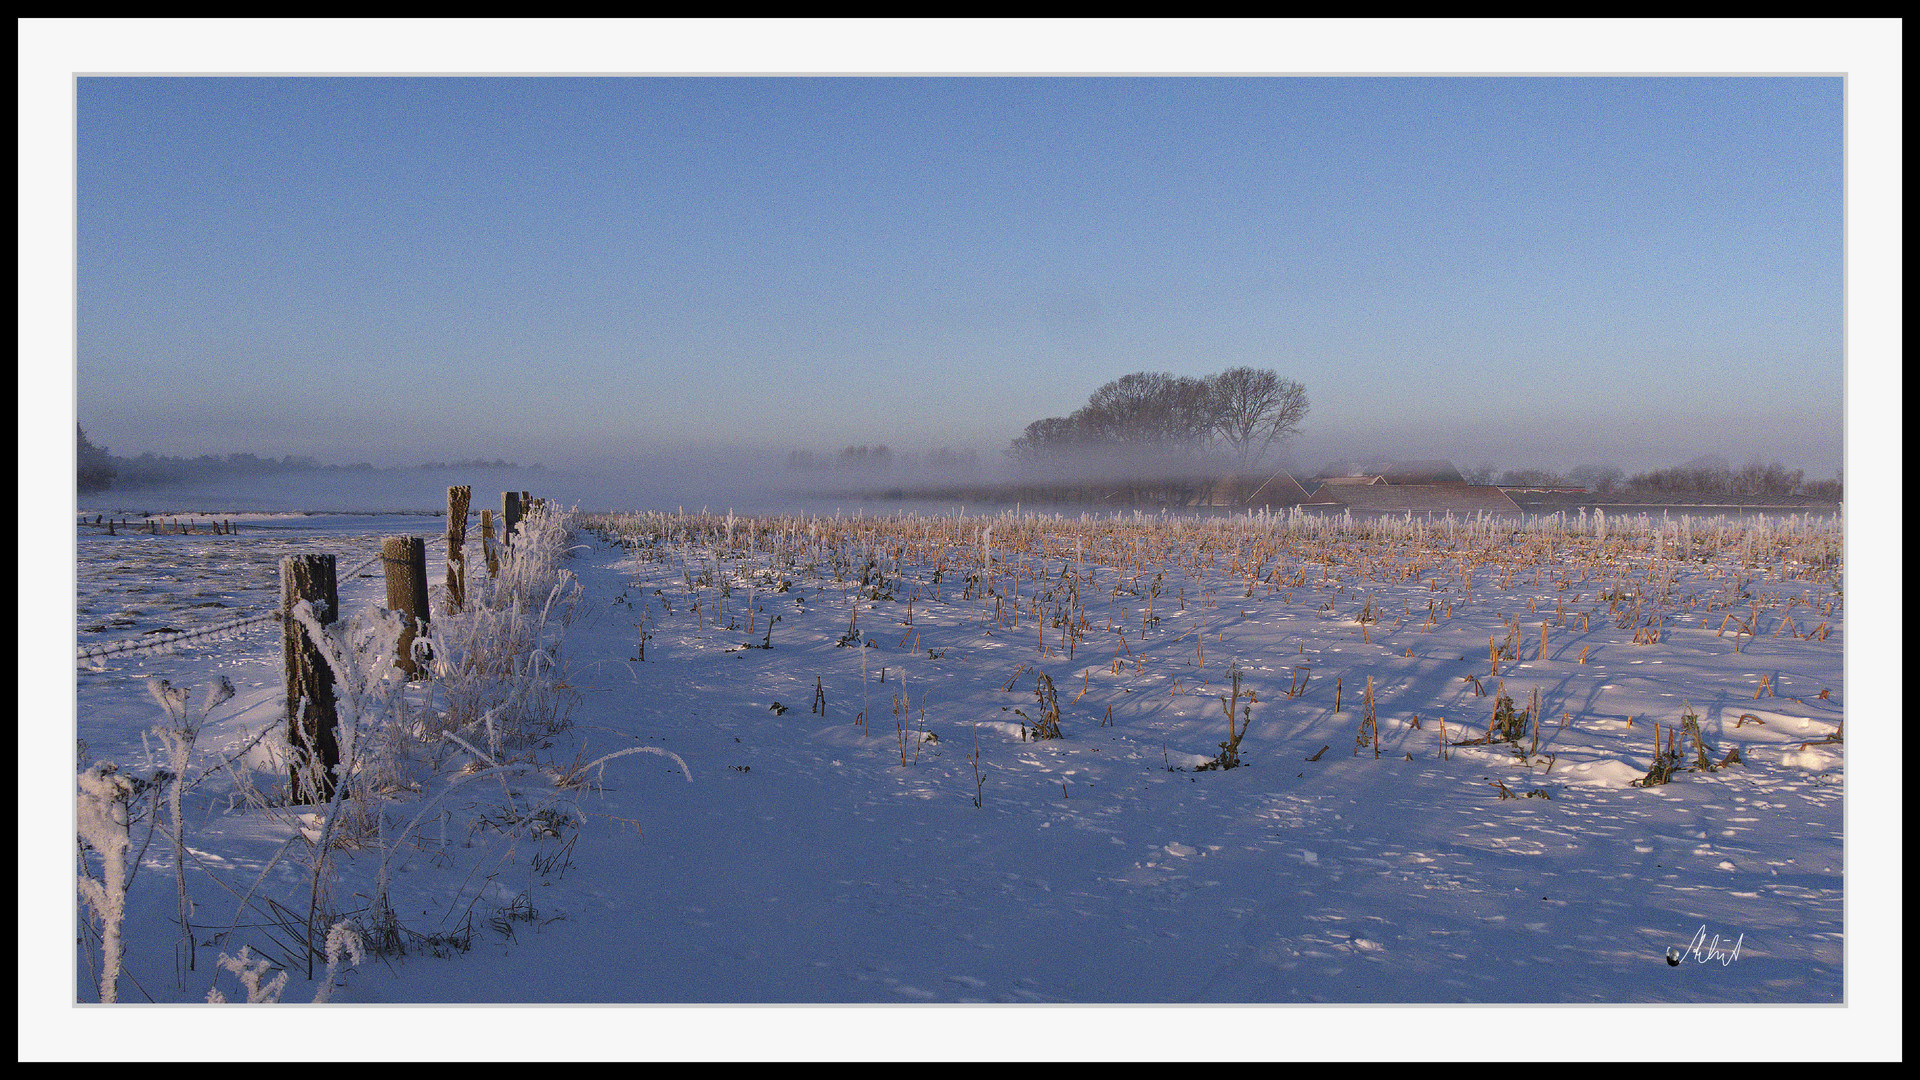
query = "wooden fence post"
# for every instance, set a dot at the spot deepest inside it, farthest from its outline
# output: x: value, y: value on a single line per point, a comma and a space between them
x: 313, y: 751
x: 509, y: 515
x: 405, y: 558
x: 458, y: 499
x: 486, y: 543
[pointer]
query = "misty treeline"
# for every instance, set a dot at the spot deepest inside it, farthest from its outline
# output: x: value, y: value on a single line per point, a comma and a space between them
x: 97, y: 469
x: 1715, y: 477
x: 1711, y: 475
x: 1154, y: 424
x: 1155, y: 437
x: 883, y: 459
x: 1600, y: 478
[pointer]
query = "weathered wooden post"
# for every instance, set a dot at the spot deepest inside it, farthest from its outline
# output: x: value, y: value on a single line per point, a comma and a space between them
x: 486, y: 543
x: 458, y: 499
x: 405, y: 558
x: 510, y: 509
x: 313, y: 752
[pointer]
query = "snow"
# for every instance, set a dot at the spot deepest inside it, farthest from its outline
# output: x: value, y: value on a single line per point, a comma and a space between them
x: 727, y: 853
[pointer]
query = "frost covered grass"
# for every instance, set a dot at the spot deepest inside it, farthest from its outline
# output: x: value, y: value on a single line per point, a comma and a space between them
x: 1113, y: 774
x: 1218, y: 650
x: 1115, y: 580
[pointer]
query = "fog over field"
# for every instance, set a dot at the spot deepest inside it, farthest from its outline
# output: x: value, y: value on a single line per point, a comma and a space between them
x: 691, y: 482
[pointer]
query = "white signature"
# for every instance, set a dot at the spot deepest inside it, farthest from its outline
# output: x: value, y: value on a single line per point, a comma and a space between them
x: 1703, y: 949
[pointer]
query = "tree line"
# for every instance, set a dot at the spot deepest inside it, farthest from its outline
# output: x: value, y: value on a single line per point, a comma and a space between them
x: 98, y: 469
x: 883, y: 459
x: 1711, y: 475
x: 1715, y: 477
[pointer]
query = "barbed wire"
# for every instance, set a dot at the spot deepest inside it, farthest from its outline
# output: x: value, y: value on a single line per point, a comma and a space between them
x: 97, y: 652
x: 161, y: 641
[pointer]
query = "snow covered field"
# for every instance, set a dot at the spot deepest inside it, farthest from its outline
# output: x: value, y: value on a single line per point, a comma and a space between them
x: 858, y: 808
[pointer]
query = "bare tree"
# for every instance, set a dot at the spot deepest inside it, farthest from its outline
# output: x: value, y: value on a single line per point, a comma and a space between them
x: 1252, y: 409
x: 1150, y: 409
x: 1045, y: 441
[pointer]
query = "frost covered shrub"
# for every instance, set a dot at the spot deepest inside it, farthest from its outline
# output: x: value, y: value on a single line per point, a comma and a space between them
x: 107, y: 811
x: 495, y: 689
x: 103, y: 818
x: 343, y: 941
x: 250, y: 970
x: 373, y: 713
x: 370, y: 703
x: 177, y: 735
x: 497, y: 663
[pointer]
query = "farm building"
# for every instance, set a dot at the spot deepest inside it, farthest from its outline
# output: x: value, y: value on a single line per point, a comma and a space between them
x: 1434, y: 499
x: 1255, y: 491
x: 1422, y: 472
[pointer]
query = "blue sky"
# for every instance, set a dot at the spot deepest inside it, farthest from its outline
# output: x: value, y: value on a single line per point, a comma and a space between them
x: 1524, y: 271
